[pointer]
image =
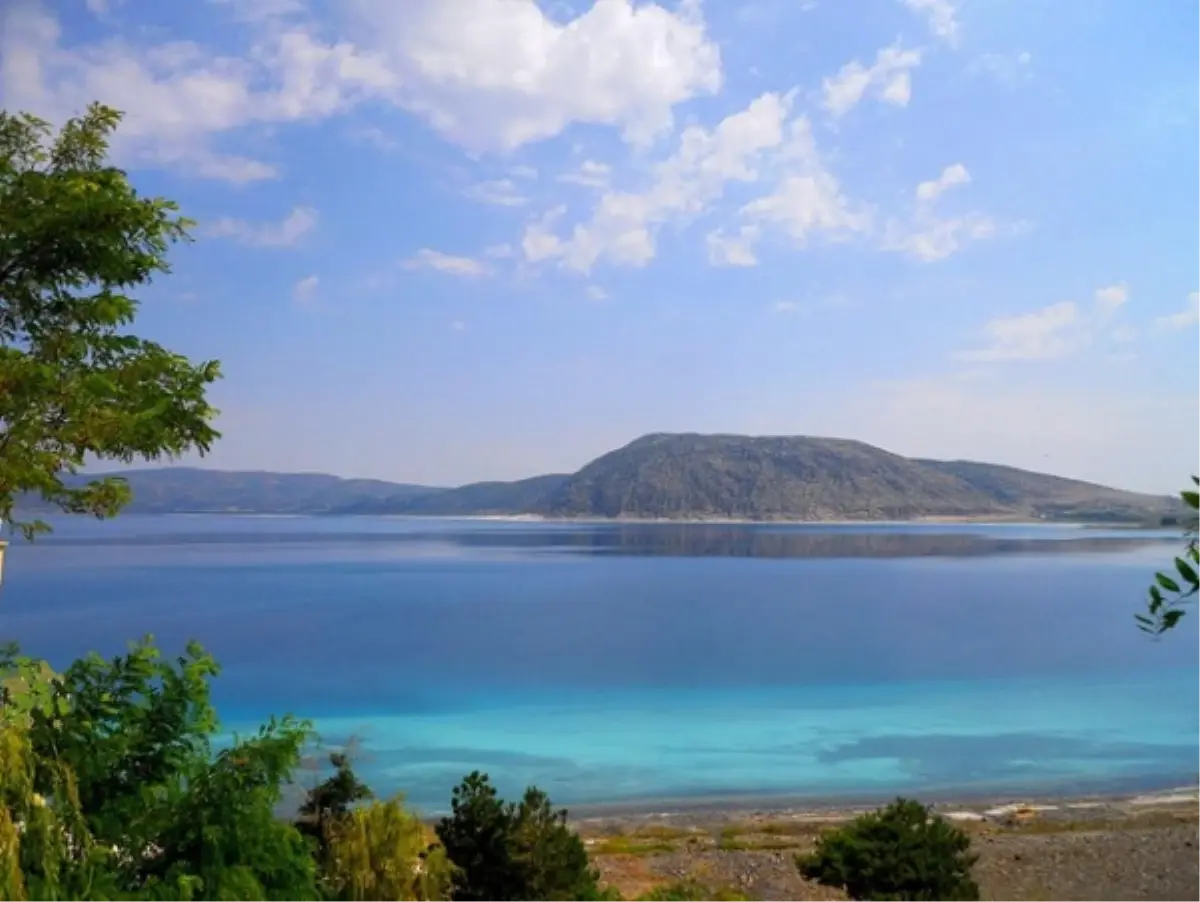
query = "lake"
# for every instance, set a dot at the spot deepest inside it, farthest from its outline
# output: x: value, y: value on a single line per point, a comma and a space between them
x: 651, y: 663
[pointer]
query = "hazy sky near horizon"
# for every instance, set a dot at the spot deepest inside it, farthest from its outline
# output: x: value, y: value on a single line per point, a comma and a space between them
x: 450, y: 240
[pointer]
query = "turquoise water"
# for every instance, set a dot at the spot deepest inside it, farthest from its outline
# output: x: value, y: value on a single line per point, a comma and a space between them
x: 644, y: 663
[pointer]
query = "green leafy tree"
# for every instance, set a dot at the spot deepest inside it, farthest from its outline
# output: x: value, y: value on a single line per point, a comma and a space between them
x: 331, y: 800
x: 510, y: 851
x: 382, y: 851
x: 118, y: 754
x: 903, y: 851
x: 1171, y: 592
x: 75, y: 385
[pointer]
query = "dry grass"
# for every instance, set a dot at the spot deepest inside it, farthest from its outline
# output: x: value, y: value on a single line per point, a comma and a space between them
x: 1112, y: 853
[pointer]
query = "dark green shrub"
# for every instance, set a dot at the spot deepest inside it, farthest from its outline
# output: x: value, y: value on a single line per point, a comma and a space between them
x: 509, y: 851
x: 903, y: 851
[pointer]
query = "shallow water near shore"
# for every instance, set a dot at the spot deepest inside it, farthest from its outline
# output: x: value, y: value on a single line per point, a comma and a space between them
x: 641, y: 662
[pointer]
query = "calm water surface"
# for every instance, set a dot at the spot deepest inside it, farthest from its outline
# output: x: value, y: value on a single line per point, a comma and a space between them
x: 626, y: 663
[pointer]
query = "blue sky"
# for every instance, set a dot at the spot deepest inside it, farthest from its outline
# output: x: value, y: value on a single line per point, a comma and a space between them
x: 449, y: 240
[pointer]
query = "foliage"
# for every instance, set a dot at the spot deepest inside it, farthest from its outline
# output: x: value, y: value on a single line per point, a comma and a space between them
x: 509, y: 851
x: 1163, y: 612
x: 331, y: 800
x: 903, y: 851
x: 74, y: 385
x: 111, y: 770
x: 382, y: 851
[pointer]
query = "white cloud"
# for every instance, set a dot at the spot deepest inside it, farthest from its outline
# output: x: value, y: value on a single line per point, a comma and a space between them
x: 487, y: 74
x: 590, y: 174
x: 952, y: 175
x: 305, y: 290
x: 806, y: 199
x: 458, y: 325
x: 1053, y: 331
x: 928, y: 236
x: 523, y: 172
x: 753, y: 146
x: 622, y: 226
x: 889, y: 78
x: 733, y: 250
x: 427, y: 258
x: 941, y: 15
x: 809, y: 203
x: 1058, y: 330
x: 499, y: 192
x: 929, y: 239
x: 1186, y: 318
x: 177, y: 97
x: 496, y: 74
x: 285, y: 233
x: 1109, y: 298
x: 596, y: 293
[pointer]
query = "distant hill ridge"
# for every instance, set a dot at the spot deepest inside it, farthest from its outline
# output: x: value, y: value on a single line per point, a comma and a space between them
x: 679, y: 477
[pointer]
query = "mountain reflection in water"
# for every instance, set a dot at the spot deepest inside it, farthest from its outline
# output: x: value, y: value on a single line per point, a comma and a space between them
x: 632, y: 539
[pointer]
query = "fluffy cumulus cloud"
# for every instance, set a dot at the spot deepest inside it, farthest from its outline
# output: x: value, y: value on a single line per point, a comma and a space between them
x: 491, y: 77
x: 807, y: 200
x: 927, y: 234
x: 940, y: 15
x: 889, y: 79
x: 1187, y: 318
x: 623, y: 223
x: 956, y: 174
x: 486, y: 74
x: 496, y: 74
x: 736, y: 249
x: 1058, y: 330
x: 1053, y: 331
x: 179, y: 98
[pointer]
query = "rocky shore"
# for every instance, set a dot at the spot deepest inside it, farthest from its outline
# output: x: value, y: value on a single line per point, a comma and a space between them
x: 1129, y: 847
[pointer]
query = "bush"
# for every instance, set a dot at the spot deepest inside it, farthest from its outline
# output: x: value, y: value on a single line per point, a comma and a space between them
x: 506, y: 851
x: 382, y: 851
x: 903, y: 851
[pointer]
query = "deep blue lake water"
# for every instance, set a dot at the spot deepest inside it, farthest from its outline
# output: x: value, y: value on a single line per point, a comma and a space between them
x: 631, y: 663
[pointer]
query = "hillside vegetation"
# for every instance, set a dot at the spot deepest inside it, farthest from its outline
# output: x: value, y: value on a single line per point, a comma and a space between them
x: 681, y: 476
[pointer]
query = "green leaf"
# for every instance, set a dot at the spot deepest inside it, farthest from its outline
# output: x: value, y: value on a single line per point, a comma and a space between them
x: 1170, y: 618
x: 1166, y: 582
x: 1186, y: 571
x: 1156, y: 600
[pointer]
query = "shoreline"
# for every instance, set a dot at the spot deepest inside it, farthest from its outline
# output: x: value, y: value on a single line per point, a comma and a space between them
x: 958, y: 805
x: 680, y: 521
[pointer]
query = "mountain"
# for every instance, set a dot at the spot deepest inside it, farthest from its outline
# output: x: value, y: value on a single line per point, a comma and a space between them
x: 1054, y: 497
x: 801, y: 478
x: 477, y: 498
x: 680, y: 476
x: 173, y: 490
